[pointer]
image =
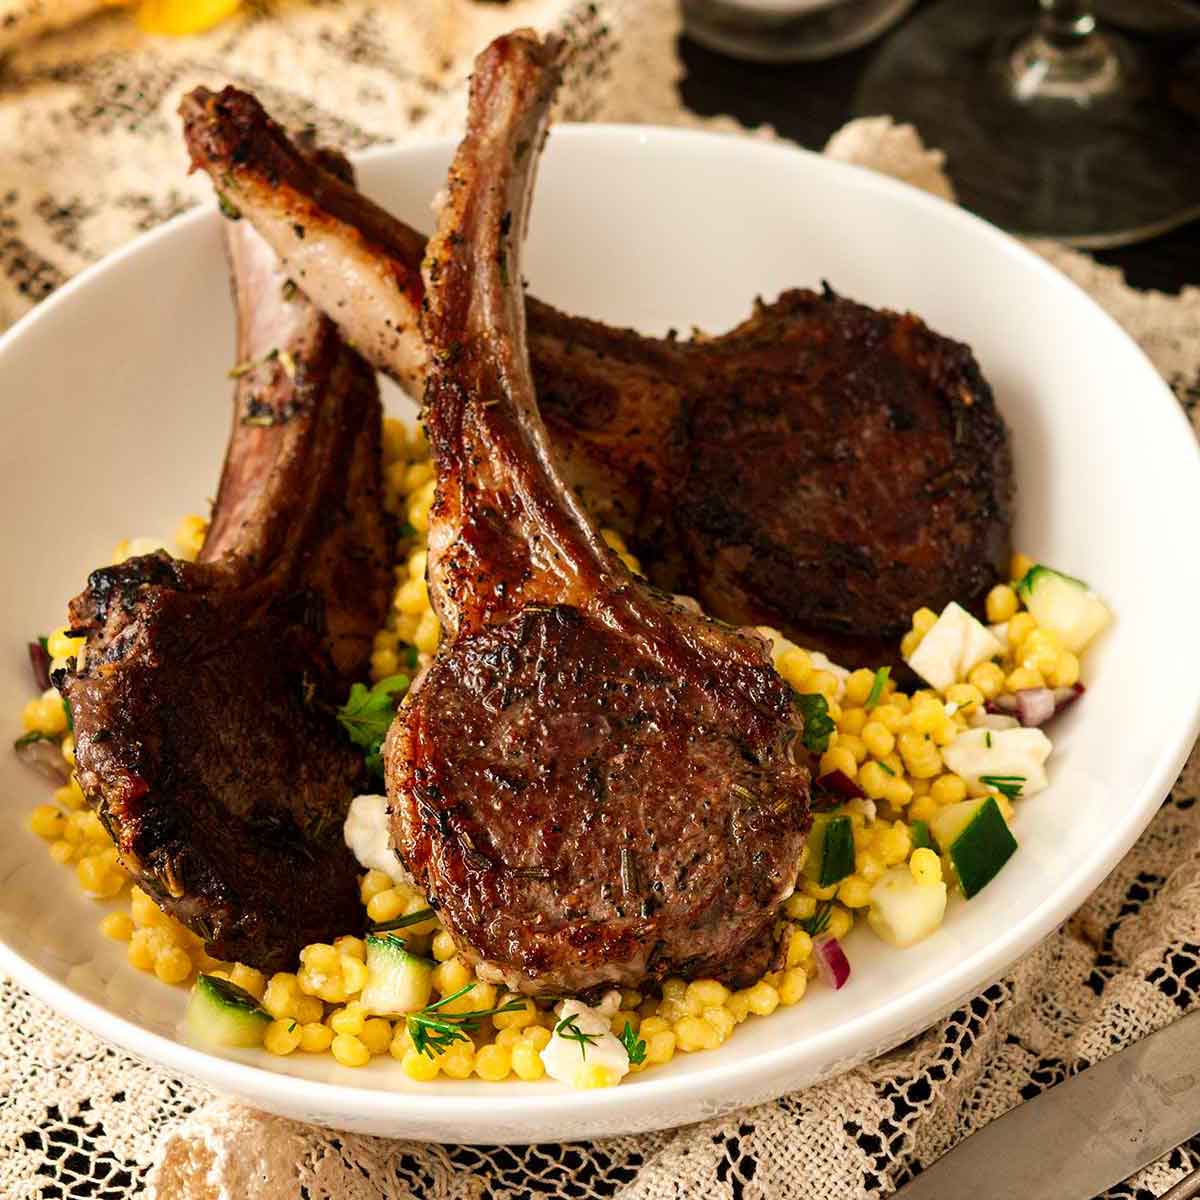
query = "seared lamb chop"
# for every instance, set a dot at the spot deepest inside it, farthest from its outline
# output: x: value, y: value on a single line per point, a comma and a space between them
x: 204, y: 709
x: 592, y: 783
x: 825, y: 468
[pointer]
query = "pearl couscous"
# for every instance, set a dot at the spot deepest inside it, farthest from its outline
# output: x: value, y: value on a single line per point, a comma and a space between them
x: 885, y: 784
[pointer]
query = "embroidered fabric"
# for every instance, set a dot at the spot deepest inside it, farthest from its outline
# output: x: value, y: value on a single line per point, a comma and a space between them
x: 89, y: 157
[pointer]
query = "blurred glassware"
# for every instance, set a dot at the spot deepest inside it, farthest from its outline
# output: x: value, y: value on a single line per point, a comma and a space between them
x: 788, y: 30
x: 1051, y: 126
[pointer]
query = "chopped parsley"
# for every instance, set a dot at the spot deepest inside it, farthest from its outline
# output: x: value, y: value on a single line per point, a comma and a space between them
x: 367, y: 715
x: 818, y: 725
x: 1008, y: 786
x: 877, y: 686
x: 434, y: 1031
x: 569, y: 1029
x: 634, y: 1046
x: 816, y: 925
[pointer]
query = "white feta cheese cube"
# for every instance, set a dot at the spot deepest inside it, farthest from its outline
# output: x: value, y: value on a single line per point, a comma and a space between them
x: 956, y: 643
x: 1010, y: 754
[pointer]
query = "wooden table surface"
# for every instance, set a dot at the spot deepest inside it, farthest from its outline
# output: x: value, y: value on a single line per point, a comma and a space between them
x: 809, y: 101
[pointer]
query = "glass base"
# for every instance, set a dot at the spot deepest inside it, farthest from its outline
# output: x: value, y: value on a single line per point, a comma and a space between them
x: 1100, y: 148
x: 770, y: 33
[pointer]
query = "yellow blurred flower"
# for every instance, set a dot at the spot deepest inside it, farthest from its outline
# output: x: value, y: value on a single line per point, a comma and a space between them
x: 181, y: 17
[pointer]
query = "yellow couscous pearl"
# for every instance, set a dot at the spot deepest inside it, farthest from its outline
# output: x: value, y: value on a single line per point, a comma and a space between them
x: 762, y: 999
x: 793, y: 986
x: 799, y: 907
x: 349, y: 1019
x: 898, y: 792
x: 925, y: 866
x: 507, y: 1037
x: 721, y: 1019
x: 853, y: 721
x: 852, y: 745
x: 1019, y: 628
x: 386, y: 905
x: 873, y: 780
x: 926, y: 715
x: 988, y: 677
x: 838, y: 758
x: 47, y: 822
x: 140, y: 952
x: 823, y: 683
x: 538, y: 1035
x: 1065, y: 672
x: 1040, y: 651
x: 948, y: 789
x: 459, y: 1061
x: 189, y: 536
x: 70, y: 795
x: 1001, y: 603
x: 794, y: 665
x: 249, y: 980
x: 428, y: 633
x: 923, y: 808
x: 1020, y: 566
x: 62, y: 852
x: 350, y: 1052
x: 878, y: 739
x: 799, y: 947
x: 354, y: 974
x: 443, y: 946
x: 921, y: 757
x: 518, y: 1019
x: 890, y: 716
x: 349, y: 946
x: 527, y: 1062
x: 859, y: 685
x: 705, y: 993
x: 1024, y: 677
x: 376, y: 1035
x: 416, y: 1066
x: 45, y: 714
x: 319, y: 956
x: 923, y: 620
x: 118, y: 926
x: 315, y: 1037
x: 854, y: 891
x: 282, y: 1037
x: 493, y: 1063
x: 660, y: 1046
x: 280, y: 995
x: 372, y: 883
x: 894, y: 844
x: 308, y: 1008
x: 967, y: 696
x: 173, y: 965
x: 395, y: 439
x: 840, y: 924
x: 451, y: 975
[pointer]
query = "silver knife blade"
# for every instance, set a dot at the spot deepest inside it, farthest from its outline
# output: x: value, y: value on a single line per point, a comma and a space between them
x: 1087, y: 1134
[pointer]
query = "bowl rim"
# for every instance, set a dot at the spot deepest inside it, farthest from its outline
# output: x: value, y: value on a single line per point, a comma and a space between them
x: 918, y: 1008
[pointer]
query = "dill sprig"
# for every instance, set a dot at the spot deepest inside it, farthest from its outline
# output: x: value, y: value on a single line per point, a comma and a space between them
x: 816, y: 925
x: 569, y: 1029
x: 413, y: 918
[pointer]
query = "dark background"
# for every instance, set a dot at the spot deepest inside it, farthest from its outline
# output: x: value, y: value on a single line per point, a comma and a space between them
x: 809, y: 101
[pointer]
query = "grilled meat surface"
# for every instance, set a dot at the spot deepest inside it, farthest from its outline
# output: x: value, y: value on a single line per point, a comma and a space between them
x: 592, y: 783
x: 206, y: 736
x: 825, y: 468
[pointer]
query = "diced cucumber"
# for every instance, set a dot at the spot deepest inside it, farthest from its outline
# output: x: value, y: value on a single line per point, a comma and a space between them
x: 830, y: 849
x: 904, y: 911
x: 397, y: 980
x: 223, y: 1014
x: 1065, y: 606
x: 919, y: 832
x: 977, y: 839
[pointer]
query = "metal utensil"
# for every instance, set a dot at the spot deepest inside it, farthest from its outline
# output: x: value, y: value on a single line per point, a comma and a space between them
x: 1087, y: 1134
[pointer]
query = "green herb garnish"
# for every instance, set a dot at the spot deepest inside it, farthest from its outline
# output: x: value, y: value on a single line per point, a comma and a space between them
x: 433, y: 1031
x: 818, y: 725
x: 988, y: 739
x: 570, y: 1030
x: 877, y: 686
x: 816, y: 925
x: 1008, y: 786
x: 367, y: 715
x: 28, y: 739
x: 634, y: 1046
x: 884, y: 767
x: 413, y: 918
x: 70, y: 719
x: 229, y: 210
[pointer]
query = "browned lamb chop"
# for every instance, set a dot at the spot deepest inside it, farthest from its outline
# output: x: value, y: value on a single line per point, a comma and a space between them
x: 204, y: 711
x: 591, y: 782
x: 825, y: 467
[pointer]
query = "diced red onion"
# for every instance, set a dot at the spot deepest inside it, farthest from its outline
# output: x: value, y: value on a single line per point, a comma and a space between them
x: 45, y: 758
x: 839, y: 784
x: 39, y: 661
x: 832, y: 963
x: 1035, y: 706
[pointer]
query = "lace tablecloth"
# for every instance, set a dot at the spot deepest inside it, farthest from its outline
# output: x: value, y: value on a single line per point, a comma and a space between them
x: 90, y: 156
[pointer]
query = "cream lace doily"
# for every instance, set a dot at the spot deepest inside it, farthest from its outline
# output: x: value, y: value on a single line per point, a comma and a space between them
x: 90, y: 155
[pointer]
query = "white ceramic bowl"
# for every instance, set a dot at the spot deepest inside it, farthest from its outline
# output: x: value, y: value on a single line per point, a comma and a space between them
x: 113, y: 421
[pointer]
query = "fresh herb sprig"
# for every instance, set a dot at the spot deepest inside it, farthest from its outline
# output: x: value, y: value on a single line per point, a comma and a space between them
x: 413, y: 918
x: 816, y: 925
x: 433, y: 1030
x: 569, y: 1028
x: 877, y: 686
x: 1009, y: 786
x: 634, y: 1046
x: 818, y: 725
x: 367, y: 715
